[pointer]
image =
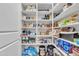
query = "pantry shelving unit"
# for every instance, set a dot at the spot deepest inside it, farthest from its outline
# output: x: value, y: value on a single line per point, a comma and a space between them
x: 64, y: 14
x: 43, y: 20
x: 39, y: 21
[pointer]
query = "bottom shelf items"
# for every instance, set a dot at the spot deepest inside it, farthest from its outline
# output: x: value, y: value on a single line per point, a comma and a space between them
x: 66, y: 48
x: 41, y: 50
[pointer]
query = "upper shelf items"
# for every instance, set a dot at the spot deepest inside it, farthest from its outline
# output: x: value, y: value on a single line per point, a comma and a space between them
x: 45, y: 11
x: 29, y: 16
x: 67, y: 11
x: 69, y: 21
x: 29, y: 7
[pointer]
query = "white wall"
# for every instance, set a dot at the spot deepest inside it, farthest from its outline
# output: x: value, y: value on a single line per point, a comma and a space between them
x: 10, y: 16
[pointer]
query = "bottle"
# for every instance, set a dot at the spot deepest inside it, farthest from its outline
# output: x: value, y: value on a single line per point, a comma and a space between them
x: 42, y: 51
x: 50, y: 50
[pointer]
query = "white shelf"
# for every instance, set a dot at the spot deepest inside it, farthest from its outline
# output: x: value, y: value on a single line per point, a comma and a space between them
x: 60, y: 50
x: 46, y: 28
x: 69, y: 11
x: 29, y: 20
x: 45, y: 12
x: 36, y: 43
x: 33, y: 10
x: 69, y: 25
x: 29, y: 27
x: 56, y: 27
x: 46, y: 20
x: 29, y: 44
x: 72, y: 24
x: 68, y: 32
x: 34, y: 36
x: 44, y: 35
